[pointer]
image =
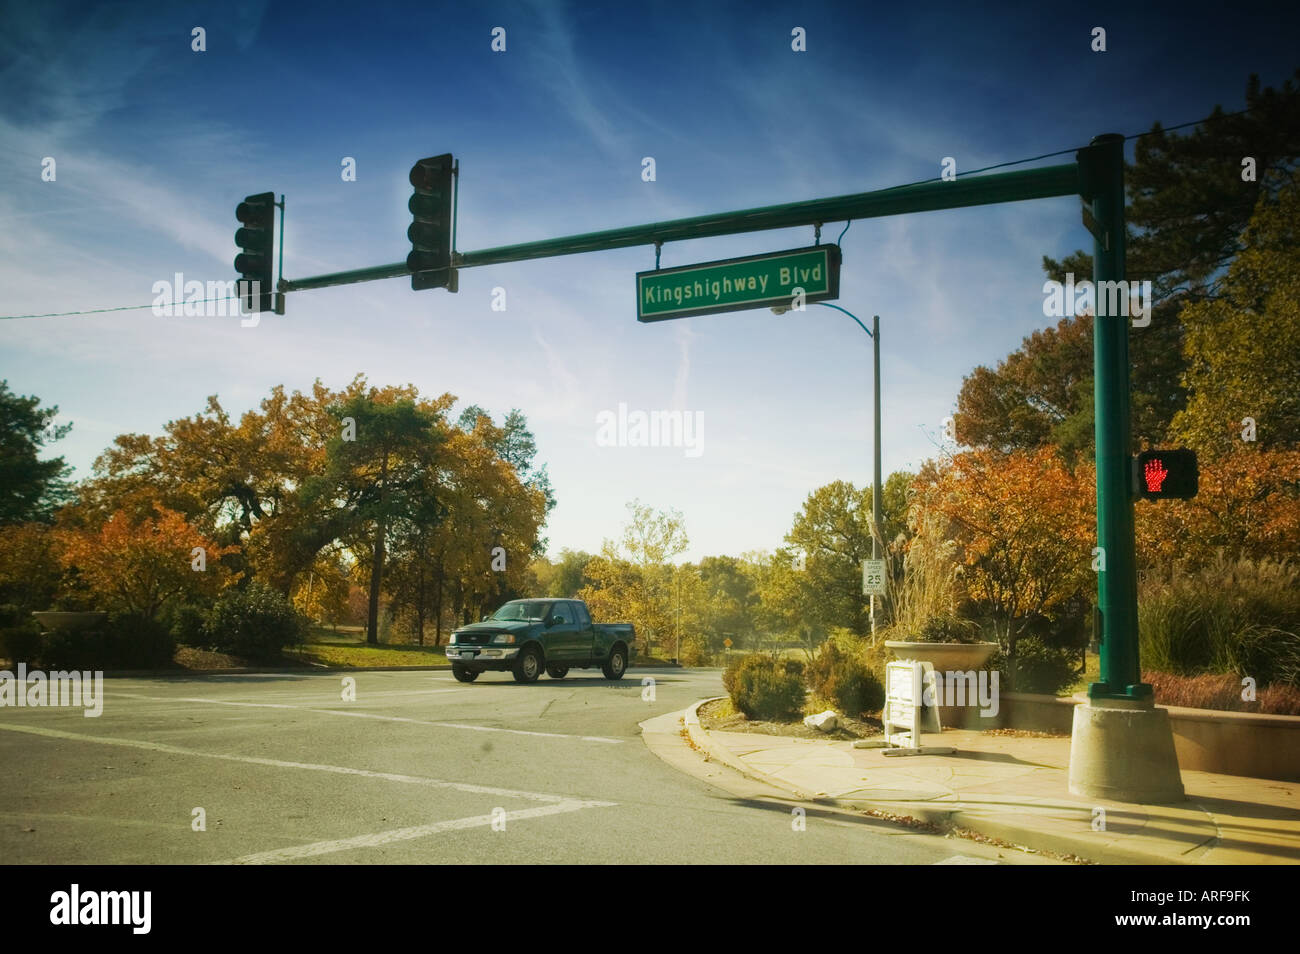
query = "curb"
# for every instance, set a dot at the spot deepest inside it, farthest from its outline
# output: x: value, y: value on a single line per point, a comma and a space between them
x: 310, y: 669
x: 300, y: 670
x: 957, y: 816
x: 720, y: 753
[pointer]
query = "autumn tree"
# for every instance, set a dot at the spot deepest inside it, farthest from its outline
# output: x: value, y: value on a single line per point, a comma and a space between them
x: 30, y: 569
x: 1188, y: 204
x: 136, y: 566
x: 1025, y: 527
x: 321, y: 594
x: 568, y: 574
x: 374, y: 464
x: 789, y: 606
x: 493, y: 522
x: 1242, y: 349
x: 634, y: 582
x: 1247, y: 505
x: 730, y: 598
x: 377, y: 472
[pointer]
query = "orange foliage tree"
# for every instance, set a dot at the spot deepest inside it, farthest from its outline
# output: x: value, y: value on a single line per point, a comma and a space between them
x: 1247, y: 505
x: 136, y: 566
x: 1024, y: 523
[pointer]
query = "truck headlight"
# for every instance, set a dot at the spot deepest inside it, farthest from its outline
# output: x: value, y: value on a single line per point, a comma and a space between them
x: 452, y: 641
x: 504, y: 638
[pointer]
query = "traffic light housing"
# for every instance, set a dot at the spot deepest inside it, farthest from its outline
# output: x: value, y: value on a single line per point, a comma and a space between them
x: 430, y: 231
x: 1165, y: 475
x: 255, y: 261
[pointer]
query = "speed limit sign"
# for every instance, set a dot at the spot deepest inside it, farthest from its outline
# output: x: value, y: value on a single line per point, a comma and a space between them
x: 873, y: 577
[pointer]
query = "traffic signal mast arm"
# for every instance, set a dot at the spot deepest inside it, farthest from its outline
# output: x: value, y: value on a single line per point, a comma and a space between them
x: 922, y: 197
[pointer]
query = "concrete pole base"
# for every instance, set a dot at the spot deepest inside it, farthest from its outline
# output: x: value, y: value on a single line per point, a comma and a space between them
x: 1124, y: 752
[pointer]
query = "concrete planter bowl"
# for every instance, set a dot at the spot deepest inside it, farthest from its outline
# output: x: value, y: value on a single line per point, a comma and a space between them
x: 944, y: 657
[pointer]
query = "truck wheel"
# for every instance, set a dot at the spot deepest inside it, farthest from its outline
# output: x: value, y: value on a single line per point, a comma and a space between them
x: 557, y: 672
x: 462, y: 674
x: 528, y: 666
x: 616, y: 664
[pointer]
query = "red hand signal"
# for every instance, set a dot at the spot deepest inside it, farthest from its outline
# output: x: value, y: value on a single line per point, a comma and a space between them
x: 1155, y: 475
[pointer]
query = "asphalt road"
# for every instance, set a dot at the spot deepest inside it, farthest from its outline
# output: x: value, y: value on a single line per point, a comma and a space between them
x: 417, y: 769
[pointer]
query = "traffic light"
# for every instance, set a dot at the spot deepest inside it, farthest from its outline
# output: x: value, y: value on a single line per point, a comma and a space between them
x: 430, y: 232
x: 255, y: 261
x: 1165, y: 474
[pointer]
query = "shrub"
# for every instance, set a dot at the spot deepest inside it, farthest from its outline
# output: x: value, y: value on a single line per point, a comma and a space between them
x: 255, y: 622
x: 123, y: 641
x: 187, y: 624
x: 1233, y: 616
x: 694, y: 652
x: 1037, y: 667
x: 141, y: 643
x: 762, y: 687
x: 948, y: 629
x: 1222, y: 692
x: 21, y: 642
x: 845, y: 681
x: 1270, y: 654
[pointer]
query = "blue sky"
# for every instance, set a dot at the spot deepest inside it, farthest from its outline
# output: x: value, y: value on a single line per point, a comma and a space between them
x: 155, y: 144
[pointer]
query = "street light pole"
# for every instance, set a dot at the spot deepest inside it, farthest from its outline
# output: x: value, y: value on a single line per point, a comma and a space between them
x: 677, y: 657
x: 876, y: 494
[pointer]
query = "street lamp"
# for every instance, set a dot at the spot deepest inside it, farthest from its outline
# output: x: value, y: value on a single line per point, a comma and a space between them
x: 876, y: 517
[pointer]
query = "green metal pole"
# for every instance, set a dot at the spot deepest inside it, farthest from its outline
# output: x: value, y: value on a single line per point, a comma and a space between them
x: 1101, y: 168
x: 918, y: 197
x: 876, y: 494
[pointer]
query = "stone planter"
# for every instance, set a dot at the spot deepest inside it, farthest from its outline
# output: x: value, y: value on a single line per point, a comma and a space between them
x: 952, y: 657
x: 68, y: 621
x: 945, y: 657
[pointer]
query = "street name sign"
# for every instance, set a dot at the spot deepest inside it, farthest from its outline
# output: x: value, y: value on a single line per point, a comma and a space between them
x: 737, y: 284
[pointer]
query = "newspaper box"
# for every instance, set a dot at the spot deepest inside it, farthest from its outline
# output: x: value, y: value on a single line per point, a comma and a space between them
x: 908, y: 684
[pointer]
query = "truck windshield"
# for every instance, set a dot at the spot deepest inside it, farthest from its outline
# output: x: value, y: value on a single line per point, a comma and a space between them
x: 532, y: 610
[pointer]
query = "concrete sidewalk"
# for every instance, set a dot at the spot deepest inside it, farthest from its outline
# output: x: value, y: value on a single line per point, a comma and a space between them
x: 1015, y: 788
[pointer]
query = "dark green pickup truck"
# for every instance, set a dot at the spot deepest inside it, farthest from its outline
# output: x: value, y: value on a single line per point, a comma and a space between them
x: 525, y: 637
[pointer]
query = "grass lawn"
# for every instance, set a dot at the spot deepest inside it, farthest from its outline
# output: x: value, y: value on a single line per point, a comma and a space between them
x: 1091, y: 673
x: 343, y: 650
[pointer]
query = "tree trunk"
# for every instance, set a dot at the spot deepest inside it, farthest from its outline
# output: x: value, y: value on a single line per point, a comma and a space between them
x: 376, y: 581
x: 437, y: 635
x: 377, y: 566
x: 421, y: 608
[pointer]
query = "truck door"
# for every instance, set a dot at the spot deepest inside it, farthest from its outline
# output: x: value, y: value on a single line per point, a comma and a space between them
x: 585, y: 635
x: 562, y: 634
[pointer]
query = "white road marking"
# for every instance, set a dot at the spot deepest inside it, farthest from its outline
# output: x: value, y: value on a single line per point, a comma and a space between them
x: 280, y: 763
x: 966, y: 860
x: 405, y: 834
x: 355, y: 714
